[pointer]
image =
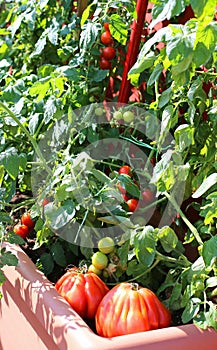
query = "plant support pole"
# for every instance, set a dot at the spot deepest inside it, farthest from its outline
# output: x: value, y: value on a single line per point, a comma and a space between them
x: 133, y: 49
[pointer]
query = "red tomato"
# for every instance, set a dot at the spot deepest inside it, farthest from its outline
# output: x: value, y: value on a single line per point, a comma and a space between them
x: 106, y: 26
x: 21, y: 230
x: 147, y: 197
x: 45, y: 202
x: 108, y: 52
x: 26, y: 220
x: 132, y: 204
x: 125, y: 169
x: 106, y: 38
x: 83, y: 291
x: 105, y: 64
x: 128, y: 308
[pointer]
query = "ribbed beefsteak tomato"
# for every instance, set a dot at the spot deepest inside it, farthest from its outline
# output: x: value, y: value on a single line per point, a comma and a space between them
x: 83, y: 291
x: 128, y: 308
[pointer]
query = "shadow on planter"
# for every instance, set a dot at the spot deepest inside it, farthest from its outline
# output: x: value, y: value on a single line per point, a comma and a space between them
x: 33, y: 315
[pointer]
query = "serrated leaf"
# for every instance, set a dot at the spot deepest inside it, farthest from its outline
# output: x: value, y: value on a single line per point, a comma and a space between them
x: 145, y: 246
x: 8, y: 258
x: 166, y: 10
x: 89, y: 35
x: 118, y: 28
x: 10, y: 160
x: 167, y: 238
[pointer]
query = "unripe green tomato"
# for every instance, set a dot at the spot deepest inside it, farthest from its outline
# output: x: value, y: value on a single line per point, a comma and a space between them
x: 128, y: 116
x: 93, y: 269
x: 99, y: 260
x: 106, y: 245
x: 117, y: 115
x: 99, y: 111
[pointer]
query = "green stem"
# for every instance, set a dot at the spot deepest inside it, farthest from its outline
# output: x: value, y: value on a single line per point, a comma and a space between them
x: 184, y: 218
x: 29, y: 136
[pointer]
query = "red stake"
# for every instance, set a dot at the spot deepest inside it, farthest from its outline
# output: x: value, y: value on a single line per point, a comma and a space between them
x: 133, y: 49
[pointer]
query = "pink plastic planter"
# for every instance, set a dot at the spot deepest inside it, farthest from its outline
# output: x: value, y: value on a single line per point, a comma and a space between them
x: 33, y: 316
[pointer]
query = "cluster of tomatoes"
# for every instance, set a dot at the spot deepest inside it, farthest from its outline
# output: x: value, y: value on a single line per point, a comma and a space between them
x: 100, y: 260
x: 108, y: 52
x: 91, y: 298
x: 25, y: 225
x: 133, y: 203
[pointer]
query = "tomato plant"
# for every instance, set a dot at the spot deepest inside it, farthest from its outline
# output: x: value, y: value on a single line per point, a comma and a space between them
x: 128, y: 308
x: 83, y: 291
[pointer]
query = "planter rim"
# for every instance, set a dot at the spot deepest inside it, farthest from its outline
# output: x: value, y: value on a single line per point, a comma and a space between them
x: 53, y: 312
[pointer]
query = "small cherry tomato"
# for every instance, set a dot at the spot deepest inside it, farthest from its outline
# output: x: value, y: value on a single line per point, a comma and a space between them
x: 125, y: 169
x: 45, y: 202
x: 108, y: 53
x: 147, y: 197
x: 106, y: 38
x: 93, y: 269
x: 132, y: 204
x: 117, y: 115
x: 106, y: 245
x: 105, y: 64
x: 99, y: 260
x: 21, y: 230
x: 106, y: 26
x: 26, y: 220
x: 128, y: 116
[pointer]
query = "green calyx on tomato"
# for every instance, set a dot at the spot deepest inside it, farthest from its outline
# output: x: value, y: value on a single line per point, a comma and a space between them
x: 106, y: 245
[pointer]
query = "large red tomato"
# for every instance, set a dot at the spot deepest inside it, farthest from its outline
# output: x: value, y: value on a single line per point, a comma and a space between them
x: 128, y: 308
x: 83, y: 291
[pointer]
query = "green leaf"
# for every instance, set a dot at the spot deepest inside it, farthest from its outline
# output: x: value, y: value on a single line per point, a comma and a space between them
x: 128, y: 184
x: 155, y: 74
x: 89, y: 35
x: 49, y: 109
x: 168, y: 238
x: 191, y: 310
x: 86, y: 14
x: 145, y: 245
x: 167, y: 9
x: 209, y: 251
x: 206, y: 185
x: 7, y: 258
x: 47, y: 263
x: 118, y: 28
x: 184, y: 136
x: 58, y: 254
x: 58, y: 217
x: 10, y: 160
x: 40, y: 88
x: 211, y: 282
x: 204, y: 8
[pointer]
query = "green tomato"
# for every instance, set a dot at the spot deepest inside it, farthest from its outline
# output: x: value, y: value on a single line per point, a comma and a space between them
x: 99, y: 111
x: 106, y: 245
x: 93, y: 269
x: 99, y: 260
x: 117, y: 115
x: 128, y: 116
